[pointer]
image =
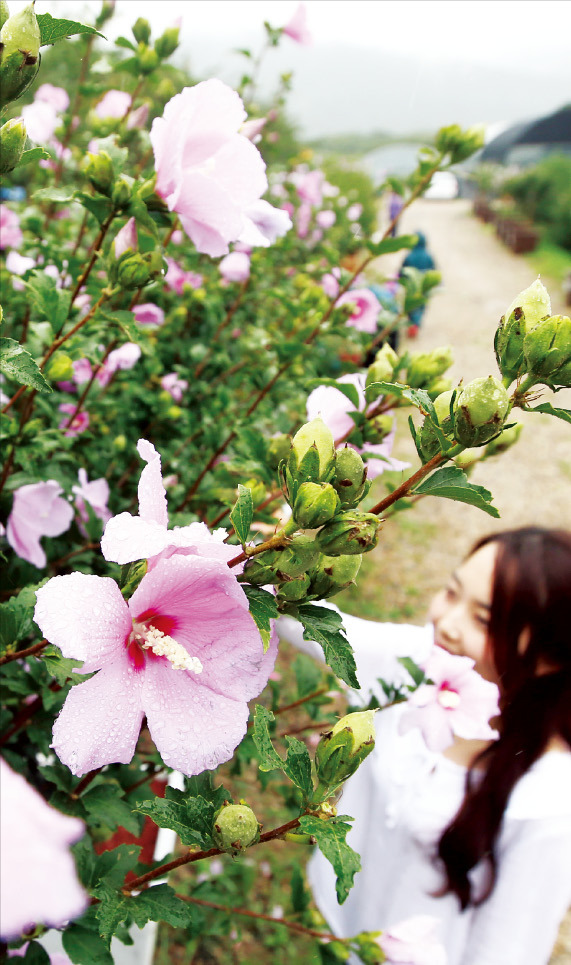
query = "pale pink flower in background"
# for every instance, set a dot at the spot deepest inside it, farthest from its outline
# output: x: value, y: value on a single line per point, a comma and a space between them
x: 354, y: 211
x: 278, y: 191
x: 329, y: 190
x: 82, y: 371
x: 35, y: 835
x: 207, y: 171
x: 138, y: 118
x: 174, y: 385
x: 303, y: 219
x: 61, y: 153
x: 38, y: 510
x: 113, y: 104
x: 56, y: 97
x: 184, y: 652
x: 96, y: 494
x: 124, y: 357
x: 82, y: 302
x: 296, y: 28
x: 149, y: 314
x: 366, y: 309
x: 127, y: 538
x: 289, y: 209
x: 19, y: 264
x: 265, y: 224
x: 334, y: 408
x: 177, y: 237
x: 309, y: 186
x: 458, y: 702
x: 253, y: 128
x: 10, y: 233
x: 235, y: 266
x: 413, y: 942
x: 330, y: 282
x: 326, y: 219
x: 176, y: 277
x: 125, y: 239
x: 41, y: 120
x: 316, y: 235
x: 78, y: 424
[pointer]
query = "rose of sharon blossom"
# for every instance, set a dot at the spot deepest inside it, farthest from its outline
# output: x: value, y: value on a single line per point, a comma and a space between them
x: 125, y: 239
x: 296, y: 28
x: 235, y: 266
x: 174, y: 385
x: 330, y: 282
x: 458, y: 702
x: 176, y: 277
x: 41, y: 121
x: 413, y: 942
x: 95, y: 493
x: 78, y: 424
x: 113, y: 104
x: 124, y: 357
x: 207, y: 171
x: 366, y: 310
x: 149, y: 314
x: 146, y: 536
x: 38, y: 510
x: 326, y: 218
x: 334, y: 408
x: 184, y: 652
x: 38, y: 878
x: 19, y: 264
x: 10, y: 233
x: 57, y: 97
x: 138, y: 118
x: 265, y: 225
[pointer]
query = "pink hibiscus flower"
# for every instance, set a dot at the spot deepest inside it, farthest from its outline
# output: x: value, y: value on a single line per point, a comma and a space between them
x: 458, y: 702
x: 10, y: 233
x: 124, y: 357
x: 174, y: 385
x: 35, y: 835
x: 38, y: 510
x: 57, y: 97
x: 184, y: 652
x: 95, y: 494
x: 334, y: 408
x: 78, y: 424
x: 296, y: 28
x: 413, y: 942
x: 176, y: 277
x: 366, y: 309
x: 114, y: 104
x: 235, y: 266
x: 149, y: 314
x: 264, y: 225
x: 125, y: 239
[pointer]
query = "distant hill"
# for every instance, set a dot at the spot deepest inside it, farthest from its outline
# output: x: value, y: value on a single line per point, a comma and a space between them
x: 352, y: 144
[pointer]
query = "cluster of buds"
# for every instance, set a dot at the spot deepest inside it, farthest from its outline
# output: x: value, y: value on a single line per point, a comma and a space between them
x: 425, y: 368
x: 382, y: 370
x: 128, y: 267
x: 341, y: 751
x: 149, y: 58
x: 531, y: 342
x: 235, y: 828
x: 19, y: 52
x: 471, y: 416
x: 459, y: 144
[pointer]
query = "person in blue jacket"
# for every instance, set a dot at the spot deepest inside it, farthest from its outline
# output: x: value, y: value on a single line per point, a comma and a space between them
x: 422, y: 260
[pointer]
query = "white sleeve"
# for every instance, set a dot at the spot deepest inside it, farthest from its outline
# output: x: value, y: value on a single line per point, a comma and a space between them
x: 518, y: 923
x: 377, y: 647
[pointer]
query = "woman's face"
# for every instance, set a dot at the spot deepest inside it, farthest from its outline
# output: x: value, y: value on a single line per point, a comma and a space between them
x: 460, y: 613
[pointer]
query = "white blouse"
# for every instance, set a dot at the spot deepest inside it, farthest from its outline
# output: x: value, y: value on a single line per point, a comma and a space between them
x: 403, y: 796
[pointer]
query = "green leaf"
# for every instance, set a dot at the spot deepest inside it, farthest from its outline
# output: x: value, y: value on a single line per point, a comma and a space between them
x: 263, y: 608
x: 112, y: 910
x: 346, y: 388
x: 112, y: 866
x: 53, y: 194
x: 452, y: 483
x: 190, y: 817
x: 326, y: 628
x: 419, y: 397
x: 297, y: 765
x: 330, y: 836
x: 388, y: 245
x: 17, y: 618
x: 547, y: 409
x: 52, y: 29
x: 35, y: 955
x: 62, y: 668
x: 269, y: 757
x: 159, y: 903
x: 34, y: 154
x: 131, y: 576
x: 123, y: 42
x: 413, y: 669
x: 17, y: 364
x: 106, y: 807
x: 99, y: 207
x: 51, y: 302
x: 85, y: 947
x: 242, y: 513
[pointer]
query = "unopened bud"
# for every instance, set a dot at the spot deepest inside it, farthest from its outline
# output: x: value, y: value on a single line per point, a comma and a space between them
x: 350, y: 479
x: 341, y: 751
x: 148, y: 59
x: 125, y: 239
x: 312, y: 452
x: 350, y: 533
x: 278, y: 449
x: 167, y: 43
x: 547, y: 350
x: 427, y: 366
x: 12, y: 140
x: 20, y: 54
x: 294, y: 590
x: 467, y: 458
x: 60, y: 367
x: 534, y: 302
x: 381, y: 370
x: 479, y: 411
x: 504, y: 441
x: 141, y: 30
x: 525, y: 312
x: 121, y: 192
x: 98, y: 168
x: 459, y: 144
x: 438, y: 386
x: 4, y: 13
x: 333, y: 574
x: 235, y: 828
x: 133, y: 271
x: 428, y: 439
x: 315, y: 504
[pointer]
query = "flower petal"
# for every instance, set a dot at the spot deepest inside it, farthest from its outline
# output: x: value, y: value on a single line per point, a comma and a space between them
x: 193, y: 728
x: 152, y: 494
x: 85, y: 616
x: 100, y: 721
x: 127, y: 538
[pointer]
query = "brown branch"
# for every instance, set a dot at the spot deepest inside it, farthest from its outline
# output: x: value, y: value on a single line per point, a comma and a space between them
x: 408, y: 484
x: 302, y: 700
x: 293, y: 925
x: 85, y: 782
x: 29, y: 652
x: 88, y: 385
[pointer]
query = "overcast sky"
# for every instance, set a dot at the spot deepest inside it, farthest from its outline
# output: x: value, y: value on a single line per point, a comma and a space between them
x: 527, y: 40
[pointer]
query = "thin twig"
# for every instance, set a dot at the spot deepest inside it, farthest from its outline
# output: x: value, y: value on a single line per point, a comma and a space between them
x: 293, y: 925
x: 22, y: 654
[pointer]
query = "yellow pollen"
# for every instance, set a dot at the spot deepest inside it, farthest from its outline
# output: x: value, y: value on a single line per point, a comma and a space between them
x: 448, y: 699
x: 149, y: 638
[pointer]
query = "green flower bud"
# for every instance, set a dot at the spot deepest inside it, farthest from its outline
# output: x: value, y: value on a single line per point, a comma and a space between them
x: 60, y: 367
x: 525, y: 312
x: 98, y: 168
x: 438, y: 386
x: 294, y: 590
x: 133, y: 270
x: 262, y: 569
x: 341, y: 751
x: 467, y: 458
x: 547, y: 350
x: 147, y: 58
x: 430, y: 279
x: 479, y: 411
x: 120, y: 443
x: 350, y: 533
x: 350, y: 479
x: 106, y: 12
x: 459, y: 144
x: 427, y: 366
x: 4, y: 13
x: 20, y: 53
x: 299, y: 556
x: 167, y: 43
x: 312, y: 452
x: 278, y: 449
x: 428, y: 438
x: 235, y: 828
x: 502, y: 442
x: 12, y: 139
x: 141, y: 30
x: 121, y: 192
x: 315, y: 504
x: 380, y: 371
x: 332, y: 574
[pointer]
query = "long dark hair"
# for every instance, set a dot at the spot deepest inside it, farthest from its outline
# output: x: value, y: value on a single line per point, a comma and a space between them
x: 529, y: 640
